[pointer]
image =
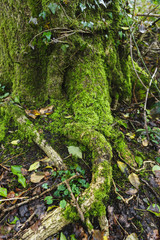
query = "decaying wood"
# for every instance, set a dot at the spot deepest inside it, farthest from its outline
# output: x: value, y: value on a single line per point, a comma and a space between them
x: 52, y: 223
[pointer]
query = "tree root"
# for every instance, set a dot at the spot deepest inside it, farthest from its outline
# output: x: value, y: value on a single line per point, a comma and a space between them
x: 30, y: 129
x: 92, y: 201
x: 54, y: 221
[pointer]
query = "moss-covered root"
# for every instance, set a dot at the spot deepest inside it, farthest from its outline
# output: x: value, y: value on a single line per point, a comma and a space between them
x: 92, y: 139
x: 93, y: 199
x: 91, y: 203
x: 30, y: 131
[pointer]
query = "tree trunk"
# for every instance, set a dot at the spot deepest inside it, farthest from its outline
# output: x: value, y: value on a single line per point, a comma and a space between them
x: 81, y: 69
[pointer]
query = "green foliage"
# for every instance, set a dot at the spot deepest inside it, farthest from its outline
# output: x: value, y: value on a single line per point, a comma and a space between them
x: 63, y: 203
x: 43, y: 15
x: 53, y: 7
x: 87, y: 24
x: 3, y: 94
x: 155, y: 209
x: 62, y: 237
x: 16, y: 170
x: 14, y: 220
x: 154, y: 134
x: 49, y: 200
x: 45, y: 185
x: 3, y: 192
x: 75, y: 151
x: 64, y: 47
x: 47, y: 36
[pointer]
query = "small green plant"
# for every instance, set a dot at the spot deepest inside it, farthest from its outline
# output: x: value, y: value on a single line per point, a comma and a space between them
x: 16, y: 170
x: 3, y: 94
x: 49, y: 200
x: 77, y: 185
x: 154, y: 134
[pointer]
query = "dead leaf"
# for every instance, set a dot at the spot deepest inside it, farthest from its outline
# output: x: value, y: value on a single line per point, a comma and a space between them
x: 15, y: 142
x: 11, y: 194
x: 35, y: 226
x: 97, y: 235
x: 123, y: 167
x: 47, y: 110
x: 32, y: 113
x: 131, y: 191
x: 145, y: 142
x: 131, y: 135
x: 134, y: 180
x: 34, y: 166
x: 132, y: 236
x: 37, y: 177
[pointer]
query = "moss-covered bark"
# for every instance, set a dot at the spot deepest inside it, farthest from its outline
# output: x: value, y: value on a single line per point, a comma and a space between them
x: 86, y: 69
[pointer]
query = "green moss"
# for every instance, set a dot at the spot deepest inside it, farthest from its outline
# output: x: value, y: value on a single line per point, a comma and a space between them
x: 71, y: 213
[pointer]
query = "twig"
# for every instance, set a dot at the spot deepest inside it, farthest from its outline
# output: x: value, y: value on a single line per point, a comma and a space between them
x: 154, y: 192
x: 75, y: 202
x: 126, y: 200
x: 64, y: 12
x: 120, y: 225
x: 145, y: 104
x: 134, y: 7
x: 148, y: 15
x: 9, y: 199
x: 23, y: 225
x: 12, y: 158
x: 131, y: 53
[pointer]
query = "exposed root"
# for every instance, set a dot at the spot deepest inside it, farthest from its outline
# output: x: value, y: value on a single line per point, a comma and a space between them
x: 30, y: 129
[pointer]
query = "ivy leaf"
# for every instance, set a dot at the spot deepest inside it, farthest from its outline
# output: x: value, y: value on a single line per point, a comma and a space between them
x: 49, y: 200
x: 82, y: 6
x: 75, y: 151
x: 73, y: 237
x: 16, y: 169
x: 61, y: 187
x: 62, y: 237
x: 102, y: 2
x: 155, y: 209
x: 64, y: 47
x: 110, y: 15
x: 43, y: 15
x: 14, y: 220
x: 3, y: 192
x: 63, y: 203
x: 33, y: 20
x: 22, y: 180
x: 53, y: 7
x: 158, y: 159
x: 47, y: 35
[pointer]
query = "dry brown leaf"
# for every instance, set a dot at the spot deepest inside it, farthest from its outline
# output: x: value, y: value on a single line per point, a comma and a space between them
x: 145, y: 142
x: 47, y: 110
x: 32, y: 113
x: 37, y: 177
x: 134, y: 180
x: 131, y: 191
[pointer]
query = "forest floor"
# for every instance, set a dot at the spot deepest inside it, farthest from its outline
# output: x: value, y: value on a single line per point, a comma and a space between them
x: 133, y: 209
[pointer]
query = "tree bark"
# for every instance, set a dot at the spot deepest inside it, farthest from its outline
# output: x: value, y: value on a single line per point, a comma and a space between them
x: 82, y: 66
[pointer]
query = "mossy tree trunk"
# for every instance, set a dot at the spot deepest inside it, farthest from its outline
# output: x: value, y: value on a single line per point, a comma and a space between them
x: 82, y: 69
